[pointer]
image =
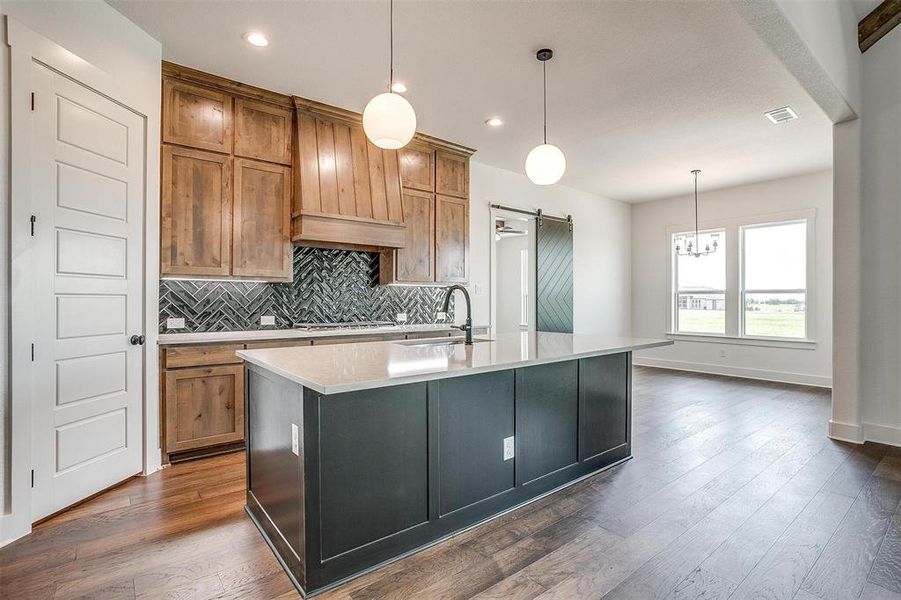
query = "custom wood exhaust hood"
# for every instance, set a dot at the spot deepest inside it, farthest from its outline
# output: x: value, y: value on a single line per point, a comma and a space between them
x: 348, y: 193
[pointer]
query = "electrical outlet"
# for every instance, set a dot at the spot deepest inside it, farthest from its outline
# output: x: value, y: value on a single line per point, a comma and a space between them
x: 175, y: 323
x: 295, y: 439
x: 401, y: 317
x: 267, y: 320
x: 508, y: 448
x: 442, y: 316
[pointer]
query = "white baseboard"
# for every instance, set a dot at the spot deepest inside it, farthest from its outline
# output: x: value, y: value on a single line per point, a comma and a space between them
x: 884, y: 434
x: 846, y: 432
x: 745, y: 373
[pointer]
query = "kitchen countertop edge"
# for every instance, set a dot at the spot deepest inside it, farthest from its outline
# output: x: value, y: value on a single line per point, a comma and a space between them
x: 328, y: 389
x: 258, y: 335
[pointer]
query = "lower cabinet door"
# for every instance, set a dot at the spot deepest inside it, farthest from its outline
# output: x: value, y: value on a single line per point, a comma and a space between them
x: 204, y: 407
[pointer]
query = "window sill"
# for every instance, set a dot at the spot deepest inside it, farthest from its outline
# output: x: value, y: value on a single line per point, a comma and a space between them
x: 744, y: 341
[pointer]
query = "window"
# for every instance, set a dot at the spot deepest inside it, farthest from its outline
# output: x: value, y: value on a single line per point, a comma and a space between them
x: 774, y: 280
x: 700, y: 285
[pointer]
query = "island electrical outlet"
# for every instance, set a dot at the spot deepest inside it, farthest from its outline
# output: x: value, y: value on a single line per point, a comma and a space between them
x: 508, y: 448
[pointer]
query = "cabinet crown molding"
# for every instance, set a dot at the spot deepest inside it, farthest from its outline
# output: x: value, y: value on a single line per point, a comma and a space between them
x: 316, y: 108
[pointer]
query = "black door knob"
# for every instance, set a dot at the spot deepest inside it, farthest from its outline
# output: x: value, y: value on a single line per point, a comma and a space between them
x: 137, y: 340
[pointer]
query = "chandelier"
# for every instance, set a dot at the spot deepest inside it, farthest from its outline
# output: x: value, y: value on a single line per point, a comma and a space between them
x: 693, y: 247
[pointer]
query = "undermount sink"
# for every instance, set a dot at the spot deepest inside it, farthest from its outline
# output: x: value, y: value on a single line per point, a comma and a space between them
x: 439, y: 342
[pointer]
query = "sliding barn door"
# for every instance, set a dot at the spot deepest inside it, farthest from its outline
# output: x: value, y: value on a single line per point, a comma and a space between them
x: 88, y: 204
x: 554, y: 279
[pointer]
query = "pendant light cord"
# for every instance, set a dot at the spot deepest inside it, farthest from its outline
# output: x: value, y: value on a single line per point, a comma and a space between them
x: 391, y: 42
x: 697, y: 240
x: 544, y: 68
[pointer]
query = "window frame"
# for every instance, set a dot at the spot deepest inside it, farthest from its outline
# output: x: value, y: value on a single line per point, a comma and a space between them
x: 675, y: 292
x: 743, y: 290
x: 734, y: 280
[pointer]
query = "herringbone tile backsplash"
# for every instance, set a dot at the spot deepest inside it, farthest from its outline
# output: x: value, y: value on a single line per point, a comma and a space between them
x: 328, y: 286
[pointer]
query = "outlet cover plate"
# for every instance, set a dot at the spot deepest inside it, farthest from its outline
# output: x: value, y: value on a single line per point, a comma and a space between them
x: 267, y: 320
x: 401, y: 317
x: 508, y: 448
x: 175, y: 323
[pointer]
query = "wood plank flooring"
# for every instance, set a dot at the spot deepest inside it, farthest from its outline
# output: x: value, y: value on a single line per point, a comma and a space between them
x: 734, y: 492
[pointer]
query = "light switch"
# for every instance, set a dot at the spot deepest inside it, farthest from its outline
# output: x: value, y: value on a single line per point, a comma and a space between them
x: 295, y: 439
x: 508, y: 448
x: 175, y: 323
x: 267, y: 320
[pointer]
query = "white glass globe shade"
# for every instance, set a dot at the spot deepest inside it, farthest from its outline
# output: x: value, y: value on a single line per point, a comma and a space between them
x: 389, y: 121
x: 545, y: 164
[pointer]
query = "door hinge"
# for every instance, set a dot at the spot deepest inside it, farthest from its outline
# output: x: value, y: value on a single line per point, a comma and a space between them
x: 32, y: 478
x: 33, y: 220
x: 32, y: 101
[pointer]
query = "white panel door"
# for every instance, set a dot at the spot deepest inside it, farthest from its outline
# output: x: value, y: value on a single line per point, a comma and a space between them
x: 88, y: 182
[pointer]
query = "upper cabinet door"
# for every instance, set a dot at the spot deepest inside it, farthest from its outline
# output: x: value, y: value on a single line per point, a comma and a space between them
x: 196, y: 116
x: 262, y: 220
x: 452, y: 174
x: 262, y: 131
x: 417, y: 167
x: 196, y: 212
x: 415, y: 263
x: 452, y: 239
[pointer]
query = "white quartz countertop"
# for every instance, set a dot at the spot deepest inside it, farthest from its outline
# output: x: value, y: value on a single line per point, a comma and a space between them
x: 169, y: 339
x: 348, y: 367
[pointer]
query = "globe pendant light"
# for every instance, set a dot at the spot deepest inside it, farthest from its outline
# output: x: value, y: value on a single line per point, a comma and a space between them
x: 545, y: 164
x: 389, y: 119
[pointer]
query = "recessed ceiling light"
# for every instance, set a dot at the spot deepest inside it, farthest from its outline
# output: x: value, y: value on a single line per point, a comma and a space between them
x: 256, y: 38
x: 398, y: 88
x: 494, y: 122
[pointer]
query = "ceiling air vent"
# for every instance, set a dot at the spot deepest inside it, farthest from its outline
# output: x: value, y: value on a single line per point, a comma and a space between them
x: 782, y: 115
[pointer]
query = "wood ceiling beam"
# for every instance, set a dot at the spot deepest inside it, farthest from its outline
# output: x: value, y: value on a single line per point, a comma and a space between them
x: 878, y: 23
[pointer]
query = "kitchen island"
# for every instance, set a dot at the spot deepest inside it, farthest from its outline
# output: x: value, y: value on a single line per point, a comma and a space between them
x: 360, y: 453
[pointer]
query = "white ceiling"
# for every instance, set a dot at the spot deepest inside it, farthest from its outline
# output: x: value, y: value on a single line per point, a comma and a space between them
x: 639, y: 93
x: 864, y: 7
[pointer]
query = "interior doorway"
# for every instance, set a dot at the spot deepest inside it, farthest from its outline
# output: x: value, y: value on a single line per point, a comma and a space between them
x: 513, y: 274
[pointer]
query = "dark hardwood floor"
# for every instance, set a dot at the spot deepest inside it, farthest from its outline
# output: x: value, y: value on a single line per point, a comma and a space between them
x: 735, y: 492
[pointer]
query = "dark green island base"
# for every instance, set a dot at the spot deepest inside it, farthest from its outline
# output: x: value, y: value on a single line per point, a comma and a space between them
x: 377, y: 474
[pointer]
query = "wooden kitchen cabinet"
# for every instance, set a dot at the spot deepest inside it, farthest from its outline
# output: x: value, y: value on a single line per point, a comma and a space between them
x: 196, y: 212
x: 226, y: 178
x: 451, y: 239
x: 204, y: 407
x: 263, y: 131
x: 262, y: 220
x: 196, y: 116
x: 452, y: 174
x: 436, y: 214
x: 417, y: 167
x: 415, y: 262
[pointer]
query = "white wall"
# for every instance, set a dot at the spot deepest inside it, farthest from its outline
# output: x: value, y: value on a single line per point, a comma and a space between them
x: 129, y: 60
x: 601, y: 246
x: 651, y: 254
x: 880, y: 340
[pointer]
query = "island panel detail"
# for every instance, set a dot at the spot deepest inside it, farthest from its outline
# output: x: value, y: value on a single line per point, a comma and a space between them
x: 378, y: 473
